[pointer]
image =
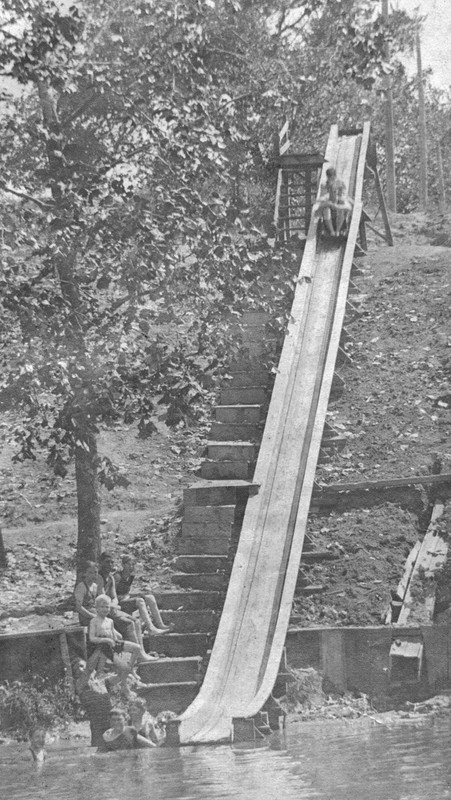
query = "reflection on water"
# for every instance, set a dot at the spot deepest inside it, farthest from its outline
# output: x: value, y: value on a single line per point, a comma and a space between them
x: 325, y: 761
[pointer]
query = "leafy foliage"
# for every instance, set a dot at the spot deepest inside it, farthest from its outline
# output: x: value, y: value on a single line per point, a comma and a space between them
x: 135, y: 164
x: 25, y: 706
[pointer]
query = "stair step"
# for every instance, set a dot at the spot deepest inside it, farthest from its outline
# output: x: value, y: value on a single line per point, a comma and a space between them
x: 176, y: 645
x: 234, y: 431
x: 192, y: 621
x: 183, y: 601
x: 245, y: 378
x: 215, y: 581
x: 174, y: 697
x: 334, y: 442
x: 215, y: 515
x: 252, y: 349
x: 245, y: 394
x: 211, y: 545
x: 171, y: 670
x: 310, y: 588
x: 220, y: 470
x: 231, y: 451
x: 238, y: 413
x: 201, y: 563
x: 318, y: 555
x: 217, y: 493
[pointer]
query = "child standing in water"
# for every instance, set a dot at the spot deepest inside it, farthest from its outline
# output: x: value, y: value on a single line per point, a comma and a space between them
x: 121, y: 736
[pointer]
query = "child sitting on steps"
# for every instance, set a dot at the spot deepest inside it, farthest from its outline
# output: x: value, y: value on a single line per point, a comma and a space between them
x: 145, y: 604
x: 103, y: 633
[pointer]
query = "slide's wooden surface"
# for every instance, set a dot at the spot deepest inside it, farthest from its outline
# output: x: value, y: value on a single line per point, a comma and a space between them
x: 251, y: 635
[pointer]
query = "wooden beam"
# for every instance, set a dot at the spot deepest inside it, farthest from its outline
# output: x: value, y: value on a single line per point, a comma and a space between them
x: 65, y: 657
x: 378, y: 233
x: 369, y: 486
x: 362, y: 234
x: 383, y: 207
x: 343, y: 357
x: 403, y: 583
x: 431, y: 556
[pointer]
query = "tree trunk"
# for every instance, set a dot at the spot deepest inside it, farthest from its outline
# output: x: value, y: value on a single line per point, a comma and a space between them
x: 88, y: 543
x: 65, y: 262
x: 389, y: 129
x: 422, y: 133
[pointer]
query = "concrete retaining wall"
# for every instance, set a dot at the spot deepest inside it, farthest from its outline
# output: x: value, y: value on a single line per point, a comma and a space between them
x: 358, y: 659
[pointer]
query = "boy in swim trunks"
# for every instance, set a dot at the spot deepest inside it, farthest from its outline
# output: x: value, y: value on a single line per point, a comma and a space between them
x: 103, y: 633
x: 334, y: 197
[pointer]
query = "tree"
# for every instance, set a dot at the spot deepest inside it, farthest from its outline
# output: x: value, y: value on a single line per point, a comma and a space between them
x: 124, y: 265
x: 135, y: 176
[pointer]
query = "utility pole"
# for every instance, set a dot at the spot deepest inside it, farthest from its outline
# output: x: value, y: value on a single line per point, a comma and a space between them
x: 441, y: 179
x: 422, y: 133
x: 389, y: 127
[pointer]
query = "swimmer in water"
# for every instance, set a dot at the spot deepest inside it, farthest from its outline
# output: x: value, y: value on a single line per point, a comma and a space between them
x: 37, y: 745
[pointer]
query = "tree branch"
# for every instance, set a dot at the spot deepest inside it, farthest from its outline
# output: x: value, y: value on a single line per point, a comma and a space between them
x: 25, y: 196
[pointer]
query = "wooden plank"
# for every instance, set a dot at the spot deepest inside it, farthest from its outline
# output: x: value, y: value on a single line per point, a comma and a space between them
x: 362, y: 232
x: 49, y: 632
x: 369, y: 486
x: 405, y: 580
x: 284, y: 130
x: 277, y: 205
x: 432, y: 555
x: 378, y: 233
x: 383, y: 207
x: 284, y: 147
x: 65, y: 657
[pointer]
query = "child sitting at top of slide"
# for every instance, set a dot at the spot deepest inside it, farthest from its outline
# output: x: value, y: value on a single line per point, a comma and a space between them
x: 333, y: 196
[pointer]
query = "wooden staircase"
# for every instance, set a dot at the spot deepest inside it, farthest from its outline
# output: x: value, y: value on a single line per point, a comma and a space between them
x: 213, y: 512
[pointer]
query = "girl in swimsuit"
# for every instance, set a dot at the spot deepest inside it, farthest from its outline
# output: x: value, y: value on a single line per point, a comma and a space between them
x: 121, y: 736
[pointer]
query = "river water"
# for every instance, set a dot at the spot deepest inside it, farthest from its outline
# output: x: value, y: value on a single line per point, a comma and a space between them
x: 321, y: 760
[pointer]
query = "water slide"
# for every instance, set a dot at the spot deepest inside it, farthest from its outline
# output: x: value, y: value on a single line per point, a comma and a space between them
x: 249, y: 643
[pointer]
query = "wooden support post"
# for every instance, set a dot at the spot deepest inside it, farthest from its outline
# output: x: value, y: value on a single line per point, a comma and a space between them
x: 362, y: 233
x: 65, y: 657
x: 343, y: 357
x: 285, y: 207
x: 345, y: 337
x: 422, y: 131
x: 355, y: 270
x: 338, y: 385
x: 383, y: 207
x: 441, y: 180
x: 308, y: 198
x: 3, y: 556
x: 358, y: 252
x: 351, y: 310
